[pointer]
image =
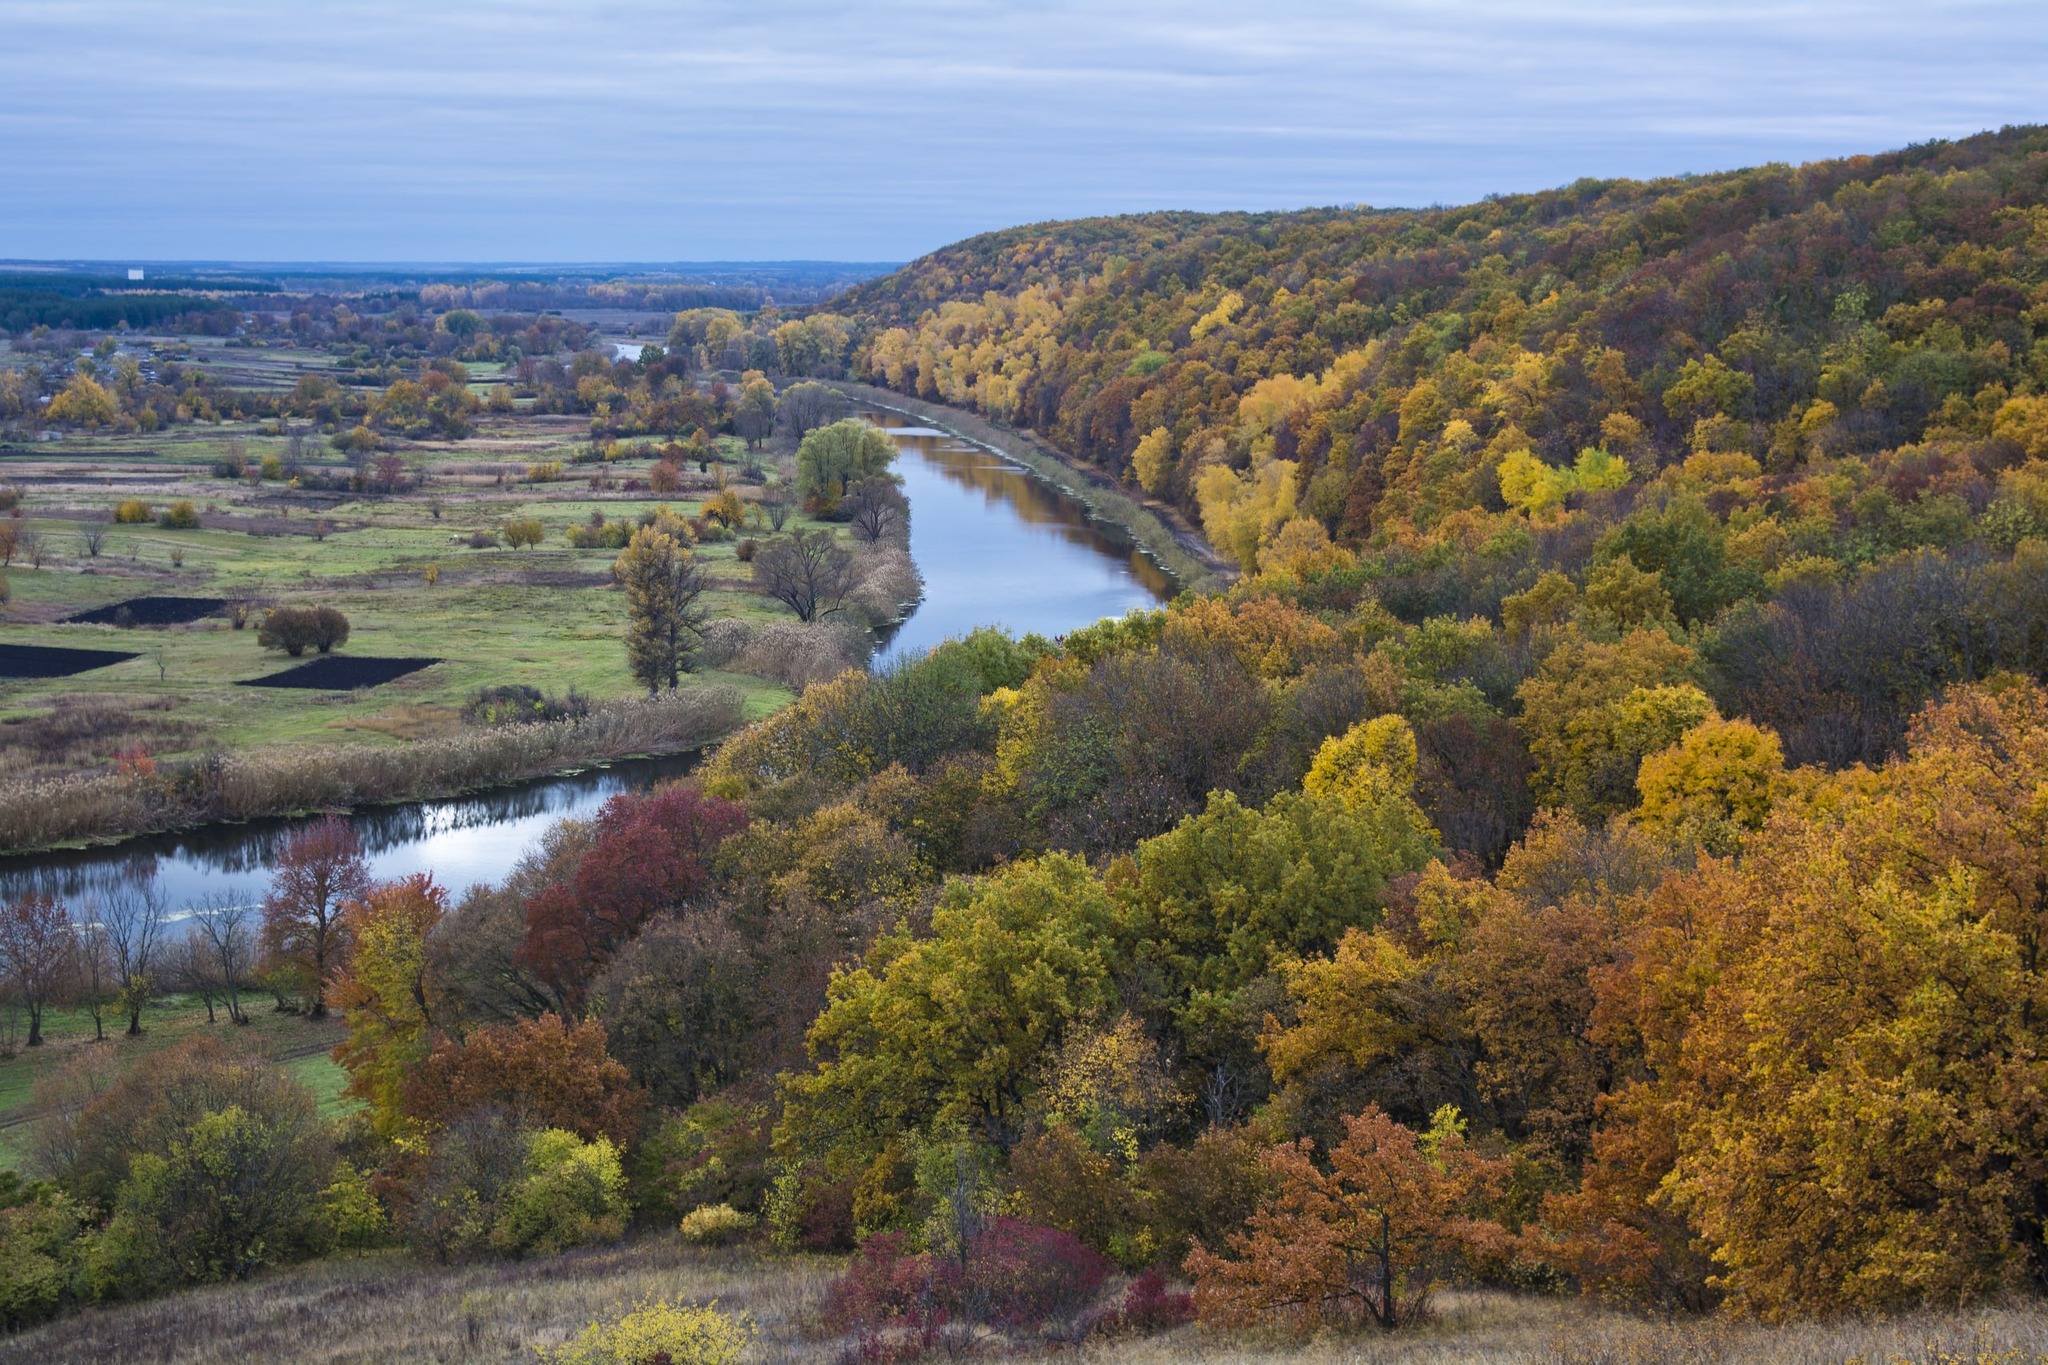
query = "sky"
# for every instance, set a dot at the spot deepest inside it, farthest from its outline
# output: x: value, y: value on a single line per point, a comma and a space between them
x: 452, y: 131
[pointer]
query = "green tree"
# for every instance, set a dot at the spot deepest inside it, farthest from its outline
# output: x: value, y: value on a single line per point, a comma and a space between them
x: 833, y: 457
x: 665, y: 623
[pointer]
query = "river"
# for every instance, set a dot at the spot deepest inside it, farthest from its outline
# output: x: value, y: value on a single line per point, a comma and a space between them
x: 996, y: 544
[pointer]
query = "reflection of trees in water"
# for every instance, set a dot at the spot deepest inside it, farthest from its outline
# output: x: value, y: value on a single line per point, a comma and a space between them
x: 1034, y: 501
x: 250, y: 850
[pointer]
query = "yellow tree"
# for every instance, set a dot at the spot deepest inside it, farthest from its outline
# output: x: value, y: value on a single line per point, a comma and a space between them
x: 382, y: 989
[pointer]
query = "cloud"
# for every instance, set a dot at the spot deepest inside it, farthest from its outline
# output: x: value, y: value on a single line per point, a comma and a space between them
x: 514, y: 130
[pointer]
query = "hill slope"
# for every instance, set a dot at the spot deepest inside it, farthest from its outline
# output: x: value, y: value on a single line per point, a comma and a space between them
x: 1795, y: 314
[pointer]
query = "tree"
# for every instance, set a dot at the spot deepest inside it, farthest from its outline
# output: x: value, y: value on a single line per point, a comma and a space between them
x: 1366, y: 1238
x: 832, y: 458
x: 92, y: 966
x: 381, y: 987
x: 876, y: 509
x: 648, y: 853
x: 665, y: 624
x: 221, y: 924
x: 777, y: 501
x: 294, y: 629
x: 951, y: 1029
x: 805, y: 407
x: 809, y: 572
x: 753, y: 416
x: 545, y: 1072
x: 133, y: 919
x: 320, y: 870
x: 1716, y: 784
x: 521, y: 532
x: 36, y: 952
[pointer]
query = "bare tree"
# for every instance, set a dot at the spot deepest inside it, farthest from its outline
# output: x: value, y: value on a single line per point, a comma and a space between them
x: 809, y: 572
x: 190, y: 968
x: 91, y: 537
x: 228, y: 930
x: 93, y: 966
x: 28, y: 544
x: 35, y: 949
x: 778, y: 500
x: 134, y: 920
x: 876, y: 509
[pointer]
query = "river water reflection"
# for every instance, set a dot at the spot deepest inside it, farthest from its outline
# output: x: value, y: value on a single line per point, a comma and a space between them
x: 996, y: 545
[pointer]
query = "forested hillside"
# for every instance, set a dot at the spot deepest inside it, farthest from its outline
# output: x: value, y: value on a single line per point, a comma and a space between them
x: 1754, y: 384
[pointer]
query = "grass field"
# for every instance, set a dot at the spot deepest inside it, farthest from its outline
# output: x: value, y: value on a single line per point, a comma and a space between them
x: 547, y: 616
x: 386, y: 1307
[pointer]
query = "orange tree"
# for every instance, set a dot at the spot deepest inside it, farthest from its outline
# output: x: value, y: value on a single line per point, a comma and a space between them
x: 1365, y: 1238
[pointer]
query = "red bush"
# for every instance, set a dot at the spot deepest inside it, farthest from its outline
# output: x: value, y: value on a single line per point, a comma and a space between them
x: 1148, y: 1306
x: 1021, y: 1275
x: 1016, y: 1276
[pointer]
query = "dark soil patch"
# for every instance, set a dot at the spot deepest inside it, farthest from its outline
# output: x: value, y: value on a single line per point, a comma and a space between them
x: 149, y: 611
x: 337, y: 674
x: 42, y: 661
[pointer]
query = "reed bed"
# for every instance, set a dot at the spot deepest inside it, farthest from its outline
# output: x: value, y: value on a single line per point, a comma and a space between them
x: 285, y: 779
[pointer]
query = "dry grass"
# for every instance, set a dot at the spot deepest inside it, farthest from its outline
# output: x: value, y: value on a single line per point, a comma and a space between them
x: 388, y: 1308
x: 279, y: 780
x: 1503, y: 1329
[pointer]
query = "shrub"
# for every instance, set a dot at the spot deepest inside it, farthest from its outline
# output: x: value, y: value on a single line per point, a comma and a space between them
x: 723, y: 642
x: 1016, y: 1276
x: 1148, y: 1306
x: 293, y: 629
x: 573, y: 1194
x: 657, y: 1330
x: 715, y: 1224
x: 133, y: 512
x: 10, y: 497
x: 482, y: 540
x: 39, y: 1251
x: 1021, y: 1275
x: 179, y: 516
x: 521, y: 704
x: 747, y: 549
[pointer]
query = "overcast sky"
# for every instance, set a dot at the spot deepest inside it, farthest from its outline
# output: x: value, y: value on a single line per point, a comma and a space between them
x: 444, y: 130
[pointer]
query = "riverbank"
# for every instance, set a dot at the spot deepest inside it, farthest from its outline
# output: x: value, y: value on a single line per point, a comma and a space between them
x: 1160, y: 530
x: 286, y: 780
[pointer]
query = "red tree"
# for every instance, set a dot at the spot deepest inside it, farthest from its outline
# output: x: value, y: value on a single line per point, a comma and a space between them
x: 650, y: 852
x: 320, y: 870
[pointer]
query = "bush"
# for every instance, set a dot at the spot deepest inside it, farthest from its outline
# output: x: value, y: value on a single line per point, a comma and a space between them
x: 482, y: 540
x: 747, y: 549
x: 39, y: 1251
x: 658, y: 1330
x: 520, y: 704
x: 715, y: 1224
x: 1015, y: 1276
x: 179, y: 516
x: 723, y: 642
x: 133, y: 512
x: 1148, y: 1306
x: 573, y: 1194
x: 293, y: 629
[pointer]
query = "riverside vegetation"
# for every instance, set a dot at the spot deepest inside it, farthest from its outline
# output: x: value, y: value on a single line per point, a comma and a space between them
x: 1577, y: 895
